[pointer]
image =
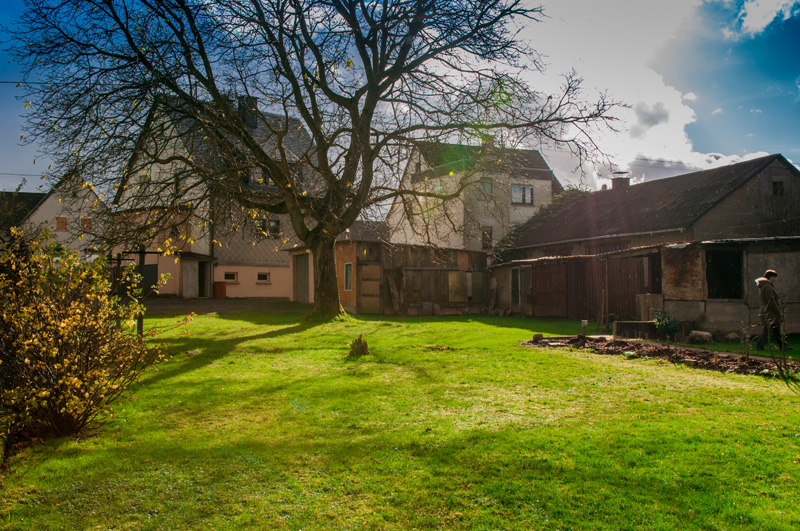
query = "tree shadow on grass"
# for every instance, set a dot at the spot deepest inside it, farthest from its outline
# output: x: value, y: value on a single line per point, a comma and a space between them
x: 211, y: 350
x: 507, y: 479
x: 546, y: 325
x: 267, y: 311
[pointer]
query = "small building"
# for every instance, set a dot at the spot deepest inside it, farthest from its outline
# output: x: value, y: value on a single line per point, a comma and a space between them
x: 378, y: 277
x: 692, y: 244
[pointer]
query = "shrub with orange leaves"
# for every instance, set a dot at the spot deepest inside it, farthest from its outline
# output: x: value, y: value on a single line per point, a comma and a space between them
x: 68, y: 348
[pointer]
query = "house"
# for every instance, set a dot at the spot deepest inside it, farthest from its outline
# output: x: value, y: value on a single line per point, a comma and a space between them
x: 496, y: 189
x: 691, y: 244
x: 71, y: 214
x: 378, y: 277
x: 232, y: 252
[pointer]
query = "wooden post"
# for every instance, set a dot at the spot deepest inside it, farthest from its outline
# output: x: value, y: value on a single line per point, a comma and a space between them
x: 140, y: 319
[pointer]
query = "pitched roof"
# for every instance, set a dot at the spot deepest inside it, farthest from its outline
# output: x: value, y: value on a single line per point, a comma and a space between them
x: 266, y: 128
x: 654, y: 206
x: 443, y: 158
x: 365, y: 231
x: 16, y: 206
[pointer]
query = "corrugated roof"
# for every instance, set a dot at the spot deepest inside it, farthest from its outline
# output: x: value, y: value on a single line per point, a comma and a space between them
x: 673, y: 203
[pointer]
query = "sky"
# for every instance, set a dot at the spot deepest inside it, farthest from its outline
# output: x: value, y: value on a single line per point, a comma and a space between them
x: 705, y: 83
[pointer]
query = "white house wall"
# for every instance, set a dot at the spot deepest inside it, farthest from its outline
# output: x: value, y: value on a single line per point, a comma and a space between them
x: 75, y: 208
x: 460, y: 222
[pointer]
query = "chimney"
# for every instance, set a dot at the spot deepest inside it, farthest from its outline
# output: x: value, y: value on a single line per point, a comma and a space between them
x: 618, y: 183
x: 248, y: 110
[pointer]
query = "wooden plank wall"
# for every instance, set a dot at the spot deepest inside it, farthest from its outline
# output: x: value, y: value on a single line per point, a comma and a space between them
x: 583, y: 289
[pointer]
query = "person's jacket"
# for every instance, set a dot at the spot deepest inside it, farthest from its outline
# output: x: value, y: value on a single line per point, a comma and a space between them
x: 770, y: 302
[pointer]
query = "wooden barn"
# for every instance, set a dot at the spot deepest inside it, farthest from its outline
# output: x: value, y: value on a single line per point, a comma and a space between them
x: 692, y: 244
x: 382, y: 278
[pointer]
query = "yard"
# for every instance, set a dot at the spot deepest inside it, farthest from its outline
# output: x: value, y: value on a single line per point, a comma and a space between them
x: 258, y: 421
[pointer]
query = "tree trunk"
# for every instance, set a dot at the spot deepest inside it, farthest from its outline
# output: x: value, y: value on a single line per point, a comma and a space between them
x: 326, y: 286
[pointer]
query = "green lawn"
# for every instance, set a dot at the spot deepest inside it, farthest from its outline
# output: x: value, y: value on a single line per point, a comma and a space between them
x: 259, y: 422
x: 737, y: 347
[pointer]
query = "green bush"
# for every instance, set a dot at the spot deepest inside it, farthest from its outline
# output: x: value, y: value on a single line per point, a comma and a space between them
x: 68, y: 348
x: 666, y: 325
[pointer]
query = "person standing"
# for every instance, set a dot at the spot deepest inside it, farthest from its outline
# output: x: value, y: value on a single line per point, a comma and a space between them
x: 770, y: 311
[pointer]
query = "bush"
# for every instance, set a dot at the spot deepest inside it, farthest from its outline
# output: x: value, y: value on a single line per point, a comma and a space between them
x: 666, y: 325
x: 68, y: 348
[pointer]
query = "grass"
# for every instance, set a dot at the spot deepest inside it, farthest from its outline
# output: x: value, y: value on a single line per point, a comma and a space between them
x: 738, y: 348
x: 259, y: 422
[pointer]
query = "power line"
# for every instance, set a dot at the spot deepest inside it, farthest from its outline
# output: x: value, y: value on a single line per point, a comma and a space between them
x: 22, y: 174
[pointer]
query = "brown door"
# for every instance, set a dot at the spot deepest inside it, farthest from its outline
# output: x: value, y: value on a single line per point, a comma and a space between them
x: 550, y: 291
x: 369, y: 288
x: 301, y: 278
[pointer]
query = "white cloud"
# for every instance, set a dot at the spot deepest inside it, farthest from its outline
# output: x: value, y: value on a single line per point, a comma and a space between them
x: 756, y: 15
x: 611, y: 48
x: 612, y: 45
x: 755, y: 111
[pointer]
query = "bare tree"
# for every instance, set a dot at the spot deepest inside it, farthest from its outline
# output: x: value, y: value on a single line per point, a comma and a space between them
x: 343, y: 89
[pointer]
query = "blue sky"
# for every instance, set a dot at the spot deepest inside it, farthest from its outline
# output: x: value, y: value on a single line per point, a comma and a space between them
x: 707, y: 82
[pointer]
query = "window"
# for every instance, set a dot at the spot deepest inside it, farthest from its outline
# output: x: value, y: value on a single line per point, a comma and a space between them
x: 262, y: 226
x: 724, y: 274
x: 777, y: 188
x: 486, y: 186
x: 486, y: 238
x: 231, y: 277
x: 348, y: 276
x: 274, y: 229
x: 268, y: 228
x: 61, y: 223
x: 86, y: 224
x: 521, y: 195
x: 262, y: 278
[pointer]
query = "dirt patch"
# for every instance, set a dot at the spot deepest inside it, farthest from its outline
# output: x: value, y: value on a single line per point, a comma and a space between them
x: 702, y: 359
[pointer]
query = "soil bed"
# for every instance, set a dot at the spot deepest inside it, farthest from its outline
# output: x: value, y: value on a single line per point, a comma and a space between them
x: 702, y: 359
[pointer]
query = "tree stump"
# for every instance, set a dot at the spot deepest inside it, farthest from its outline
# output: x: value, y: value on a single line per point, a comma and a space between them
x: 358, y: 348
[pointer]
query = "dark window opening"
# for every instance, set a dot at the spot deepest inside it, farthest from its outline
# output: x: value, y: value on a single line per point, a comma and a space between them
x: 348, y: 276
x: 268, y: 228
x: 724, y: 274
x: 274, y: 229
x: 777, y: 188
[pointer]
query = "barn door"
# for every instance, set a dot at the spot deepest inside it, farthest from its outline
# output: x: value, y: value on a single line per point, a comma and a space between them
x: 550, y: 291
